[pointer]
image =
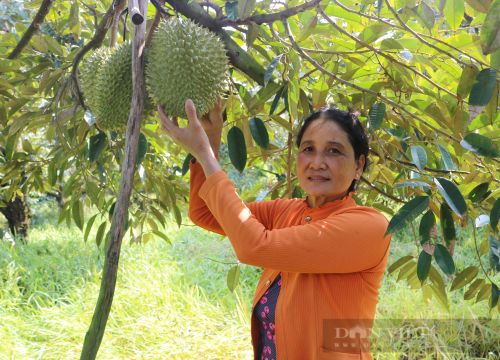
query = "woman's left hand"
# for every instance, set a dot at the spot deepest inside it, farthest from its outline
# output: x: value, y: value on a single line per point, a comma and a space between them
x: 192, y: 138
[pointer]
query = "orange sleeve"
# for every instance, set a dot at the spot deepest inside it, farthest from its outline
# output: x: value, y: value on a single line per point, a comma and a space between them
x: 201, y: 215
x: 350, y: 240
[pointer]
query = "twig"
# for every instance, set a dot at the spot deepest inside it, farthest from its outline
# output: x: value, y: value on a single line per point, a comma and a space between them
x: 115, y: 23
x: 382, y: 53
x: 269, y: 18
x: 34, y: 26
x: 359, y: 88
x: 422, y: 40
x: 401, y: 28
x: 152, y: 29
x: 392, y: 197
x: 217, y: 8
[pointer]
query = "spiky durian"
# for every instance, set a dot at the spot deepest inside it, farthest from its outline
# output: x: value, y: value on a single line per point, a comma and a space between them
x: 185, y: 61
x: 114, y: 89
x: 88, y: 74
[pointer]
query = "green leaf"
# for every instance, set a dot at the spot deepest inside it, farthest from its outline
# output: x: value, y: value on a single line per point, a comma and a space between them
x: 479, y: 144
x: 454, y: 13
x: 233, y: 277
x: 245, y: 8
x: 452, y: 195
x: 231, y: 8
x: 100, y: 233
x: 423, y: 265
x: 398, y: 263
x: 77, y: 211
x: 185, y: 164
x: 494, y: 246
x: 490, y: 32
x: 177, y: 214
x: 162, y: 235
x: 444, y: 259
x: 479, y: 193
x: 276, y: 100
x: 270, y: 68
x: 466, y: 276
x: 96, y: 145
x: 297, y: 192
x: 371, y: 33
x: 142, y: 148
x: 473, y: 289
x: 426, y: 224
x: 446, y: 158
x: 408, y: 213
x: 483, y: 87
x: 419, y: 156
x: 495, y: 214
x: 426, y: 15
x: 479, y: 5
x: 237, y: 148
x: 469, y: 74
x: 259, y: 132
x: 494, y: 294
x: 89, y: 227
x: 376, y: 116
x: 447, y: 224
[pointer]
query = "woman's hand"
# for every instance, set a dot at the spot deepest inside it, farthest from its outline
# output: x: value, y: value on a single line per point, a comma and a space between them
x: 213, y: 121
x: 192, y: 138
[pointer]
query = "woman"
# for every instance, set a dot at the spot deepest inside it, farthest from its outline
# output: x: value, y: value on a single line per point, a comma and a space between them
x: 323, y: 256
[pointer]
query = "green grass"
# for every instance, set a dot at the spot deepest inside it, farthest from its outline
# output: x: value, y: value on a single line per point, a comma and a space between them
x: 172, y: 302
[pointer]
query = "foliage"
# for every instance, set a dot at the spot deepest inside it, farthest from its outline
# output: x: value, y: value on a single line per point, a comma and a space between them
x: 422, y: 74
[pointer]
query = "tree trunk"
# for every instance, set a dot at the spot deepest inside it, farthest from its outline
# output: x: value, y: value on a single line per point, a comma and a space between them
x: 18, y: 216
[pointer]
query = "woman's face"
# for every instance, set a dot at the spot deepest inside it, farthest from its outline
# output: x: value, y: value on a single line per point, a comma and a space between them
x: 326, y: 165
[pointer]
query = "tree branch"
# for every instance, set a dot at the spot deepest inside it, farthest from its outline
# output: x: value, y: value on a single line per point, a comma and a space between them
x: 34, y: 26
x: 95, y: 333
x: 269, y: 18
x: 115, y: 23
x: 359, y: 88
x: 94, y: 43
x: 238, y: 57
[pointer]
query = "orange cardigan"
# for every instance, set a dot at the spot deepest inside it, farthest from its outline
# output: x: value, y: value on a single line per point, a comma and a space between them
x: 332, y: 259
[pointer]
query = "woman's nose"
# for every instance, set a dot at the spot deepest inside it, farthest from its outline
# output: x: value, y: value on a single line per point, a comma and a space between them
x: 317, y: 162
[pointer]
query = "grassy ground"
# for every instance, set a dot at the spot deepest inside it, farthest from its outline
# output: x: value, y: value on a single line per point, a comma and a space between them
x: 172, y: 301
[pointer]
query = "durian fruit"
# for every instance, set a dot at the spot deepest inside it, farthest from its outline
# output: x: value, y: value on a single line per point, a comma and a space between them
x: 185, y: 61
x: 88, y: 74
x: 113, y: 89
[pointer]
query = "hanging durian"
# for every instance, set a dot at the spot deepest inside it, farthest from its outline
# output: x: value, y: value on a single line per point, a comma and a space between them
x: 88, y: 74
x: 185, y: 61
x: 114, y: 89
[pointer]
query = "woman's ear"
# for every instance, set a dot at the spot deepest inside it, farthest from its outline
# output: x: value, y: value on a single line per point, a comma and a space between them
x: 360, y: 164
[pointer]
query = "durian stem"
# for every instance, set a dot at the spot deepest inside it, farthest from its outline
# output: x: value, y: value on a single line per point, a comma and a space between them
x: 94, y: 335
x: 116, y: 22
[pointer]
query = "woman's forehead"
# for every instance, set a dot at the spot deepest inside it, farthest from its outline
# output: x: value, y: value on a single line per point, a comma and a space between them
x: 325, y: 131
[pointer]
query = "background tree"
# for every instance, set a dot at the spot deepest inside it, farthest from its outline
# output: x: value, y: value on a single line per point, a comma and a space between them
x: 422, y: 74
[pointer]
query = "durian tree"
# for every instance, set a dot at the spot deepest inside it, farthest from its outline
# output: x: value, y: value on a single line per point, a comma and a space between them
x: 423, y: 76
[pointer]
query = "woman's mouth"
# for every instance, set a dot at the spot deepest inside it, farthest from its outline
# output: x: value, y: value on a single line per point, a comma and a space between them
x: 317, y: 178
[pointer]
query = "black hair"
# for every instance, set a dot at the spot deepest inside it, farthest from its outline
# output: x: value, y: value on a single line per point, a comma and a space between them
x: 350, y: 123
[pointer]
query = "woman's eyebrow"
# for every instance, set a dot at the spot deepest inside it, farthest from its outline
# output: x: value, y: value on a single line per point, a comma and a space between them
x: 329, y: 142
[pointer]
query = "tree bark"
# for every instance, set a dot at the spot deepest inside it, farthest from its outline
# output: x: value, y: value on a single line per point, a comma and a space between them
x: 95, y: 333
x: 18, y: 216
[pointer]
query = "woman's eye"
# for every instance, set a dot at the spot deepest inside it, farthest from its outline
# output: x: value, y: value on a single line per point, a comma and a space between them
x: 307, y: 148
x: 335, y: 151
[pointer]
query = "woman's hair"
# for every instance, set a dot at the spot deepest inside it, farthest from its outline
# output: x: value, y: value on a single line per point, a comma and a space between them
x: 350, y: 123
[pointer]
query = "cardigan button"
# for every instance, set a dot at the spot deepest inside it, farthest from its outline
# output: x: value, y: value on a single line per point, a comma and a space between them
x: 268, y: 282
x: 308, y: 218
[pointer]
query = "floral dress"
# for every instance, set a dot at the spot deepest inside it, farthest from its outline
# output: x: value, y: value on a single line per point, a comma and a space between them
x: 265, y: 313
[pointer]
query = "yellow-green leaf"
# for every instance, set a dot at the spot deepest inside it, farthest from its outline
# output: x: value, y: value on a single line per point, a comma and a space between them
x: 454, y: 13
